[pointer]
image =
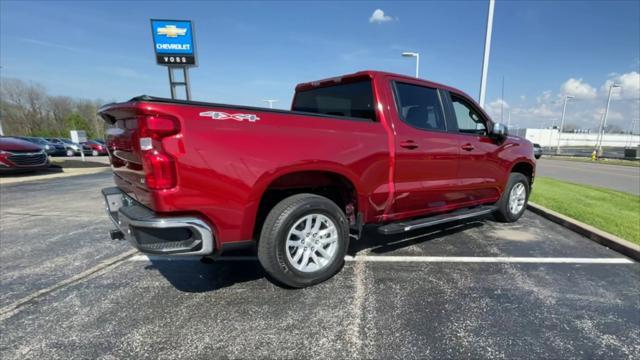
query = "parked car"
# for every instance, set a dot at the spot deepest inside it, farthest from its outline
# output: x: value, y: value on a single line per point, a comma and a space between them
x: 50, y: 148
x: 537, y: 151
x: 71, y: 148
x: 95, y: 147
x: 17, y: 155
x: 196, y: 178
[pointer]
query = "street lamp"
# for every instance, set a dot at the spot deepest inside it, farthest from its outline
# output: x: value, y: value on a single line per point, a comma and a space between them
x: 603, y: 122
x: 270, y: 102
x: 564, y: 109
x: 415, y: 55
x: 487, y: 50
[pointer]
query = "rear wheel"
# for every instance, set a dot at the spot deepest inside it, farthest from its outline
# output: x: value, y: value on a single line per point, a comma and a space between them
x: 303, y: 240
x: 70, y: 152
x: 513, y: 202
x: 94, y: 153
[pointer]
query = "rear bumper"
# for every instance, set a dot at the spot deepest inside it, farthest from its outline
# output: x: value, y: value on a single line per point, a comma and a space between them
x: 155, y: 234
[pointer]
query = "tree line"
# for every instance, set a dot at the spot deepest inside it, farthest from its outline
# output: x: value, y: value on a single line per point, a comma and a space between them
x: 27, y: 110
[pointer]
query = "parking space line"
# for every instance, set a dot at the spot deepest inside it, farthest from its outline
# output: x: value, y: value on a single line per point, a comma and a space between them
x: 103, y: 266
x: 492, y: 259
x: 420, y: 259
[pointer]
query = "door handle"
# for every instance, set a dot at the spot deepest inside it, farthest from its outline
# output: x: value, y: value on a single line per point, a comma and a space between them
x: 467, y: 147
x: 409, y: 144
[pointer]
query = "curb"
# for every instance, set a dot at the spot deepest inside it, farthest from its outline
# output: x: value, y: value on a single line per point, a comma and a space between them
x: 57, y: 175
x: 601, y: 237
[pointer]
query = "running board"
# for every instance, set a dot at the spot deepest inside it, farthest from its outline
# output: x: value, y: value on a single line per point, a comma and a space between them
x: 404, y: 226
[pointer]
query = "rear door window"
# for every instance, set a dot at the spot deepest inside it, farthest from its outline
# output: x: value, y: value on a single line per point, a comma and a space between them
x: 420, y: 106
x: 351, y: 99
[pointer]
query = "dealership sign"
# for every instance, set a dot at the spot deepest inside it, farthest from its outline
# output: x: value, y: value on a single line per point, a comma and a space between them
x: 173, y: 42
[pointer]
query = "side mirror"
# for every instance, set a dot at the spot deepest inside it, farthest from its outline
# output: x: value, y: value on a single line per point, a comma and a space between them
x: 499, y: 131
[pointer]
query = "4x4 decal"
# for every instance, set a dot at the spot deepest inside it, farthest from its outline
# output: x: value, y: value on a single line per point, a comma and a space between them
x: 218, y: 115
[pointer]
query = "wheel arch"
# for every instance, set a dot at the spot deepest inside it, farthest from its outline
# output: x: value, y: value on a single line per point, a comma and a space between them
x: 333, y: 181
x: 525, y: 167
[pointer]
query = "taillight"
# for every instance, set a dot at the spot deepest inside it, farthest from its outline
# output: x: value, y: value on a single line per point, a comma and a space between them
x: 159, y: 167
x: 158, y: 127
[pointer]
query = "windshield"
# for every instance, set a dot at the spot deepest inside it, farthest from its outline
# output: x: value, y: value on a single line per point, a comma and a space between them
x: 352, y: 99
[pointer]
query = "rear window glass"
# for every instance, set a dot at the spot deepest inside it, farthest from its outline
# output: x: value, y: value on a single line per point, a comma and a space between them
x: 420, y: 107
x: 352, y: 100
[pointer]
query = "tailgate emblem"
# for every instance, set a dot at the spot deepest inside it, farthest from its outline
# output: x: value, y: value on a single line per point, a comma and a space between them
x: 218, y: 115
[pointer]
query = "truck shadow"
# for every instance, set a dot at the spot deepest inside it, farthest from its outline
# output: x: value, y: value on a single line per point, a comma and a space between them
x: 197, y: 276
x: 378, y: 243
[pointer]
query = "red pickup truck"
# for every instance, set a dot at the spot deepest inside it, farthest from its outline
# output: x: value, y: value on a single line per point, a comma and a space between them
x: 199, y: 178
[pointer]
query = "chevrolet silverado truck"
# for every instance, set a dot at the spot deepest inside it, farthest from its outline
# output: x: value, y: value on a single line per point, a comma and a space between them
x: 196, y: 178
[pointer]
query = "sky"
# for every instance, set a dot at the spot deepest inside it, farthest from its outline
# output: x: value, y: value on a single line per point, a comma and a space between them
x: 251, y: 51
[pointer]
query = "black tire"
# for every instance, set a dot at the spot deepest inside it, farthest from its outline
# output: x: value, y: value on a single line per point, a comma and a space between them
x: 272, y: 244
x: 503, y: 213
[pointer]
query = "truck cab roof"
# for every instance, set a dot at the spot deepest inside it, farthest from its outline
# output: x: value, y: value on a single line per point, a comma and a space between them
x: 372, y: 74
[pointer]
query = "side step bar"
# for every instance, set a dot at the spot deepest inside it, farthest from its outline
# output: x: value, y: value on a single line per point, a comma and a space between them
x: 404, y: 226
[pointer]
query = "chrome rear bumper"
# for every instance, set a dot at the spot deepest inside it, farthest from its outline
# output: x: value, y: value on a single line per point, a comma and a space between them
x: 154, y: 234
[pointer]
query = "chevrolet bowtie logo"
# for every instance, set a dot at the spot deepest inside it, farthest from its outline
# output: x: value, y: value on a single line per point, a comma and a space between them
x: 172, y: 31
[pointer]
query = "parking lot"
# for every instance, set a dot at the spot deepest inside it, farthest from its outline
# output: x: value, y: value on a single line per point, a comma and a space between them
x: 480, y: 289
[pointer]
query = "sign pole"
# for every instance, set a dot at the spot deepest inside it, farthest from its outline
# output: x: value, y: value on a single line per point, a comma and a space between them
x: 171, y: 82
x: 187, y: 86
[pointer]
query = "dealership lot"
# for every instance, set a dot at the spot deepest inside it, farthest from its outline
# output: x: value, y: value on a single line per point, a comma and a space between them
x: 475, y: 290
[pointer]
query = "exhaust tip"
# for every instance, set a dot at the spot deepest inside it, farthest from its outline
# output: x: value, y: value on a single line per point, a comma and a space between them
x: 116, y: 234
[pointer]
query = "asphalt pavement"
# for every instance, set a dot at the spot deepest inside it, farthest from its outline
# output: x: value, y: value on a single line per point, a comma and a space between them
x: 479, y: 289
x: 615, y: 177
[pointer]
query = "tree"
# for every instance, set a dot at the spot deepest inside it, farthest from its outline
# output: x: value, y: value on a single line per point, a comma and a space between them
x: 60, y: 108
x: 23, y: 107
x: 76, y: 122
x: 27, y: 110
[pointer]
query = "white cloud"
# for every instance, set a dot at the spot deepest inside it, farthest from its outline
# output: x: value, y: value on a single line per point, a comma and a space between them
x: 496, y: 108
x: 579, y: 89
x: 546, y: 96
x: 630, y: 83
x: 379, y: 17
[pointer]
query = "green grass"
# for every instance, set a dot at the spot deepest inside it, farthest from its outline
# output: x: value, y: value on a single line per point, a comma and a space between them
x: 633, y: 163
x: 613, y: 211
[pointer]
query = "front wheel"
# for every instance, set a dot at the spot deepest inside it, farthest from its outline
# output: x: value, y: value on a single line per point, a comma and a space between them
x: 304, y: 240
x: 70, y: 152
x: 94, y: 153
x: 513, y: 202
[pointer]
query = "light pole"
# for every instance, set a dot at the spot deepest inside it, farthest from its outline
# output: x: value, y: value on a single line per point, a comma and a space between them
x: 603, y: 122
x: 415, y: 55
x: 564, y: 109
x: 270, y: 102
x: 487, y: 50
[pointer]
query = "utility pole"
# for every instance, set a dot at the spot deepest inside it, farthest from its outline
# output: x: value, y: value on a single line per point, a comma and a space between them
x: 603, y: 122
x: 502, y: 102
x: 270, y: 102
x: 487, y: 50
x: 564, y: 109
